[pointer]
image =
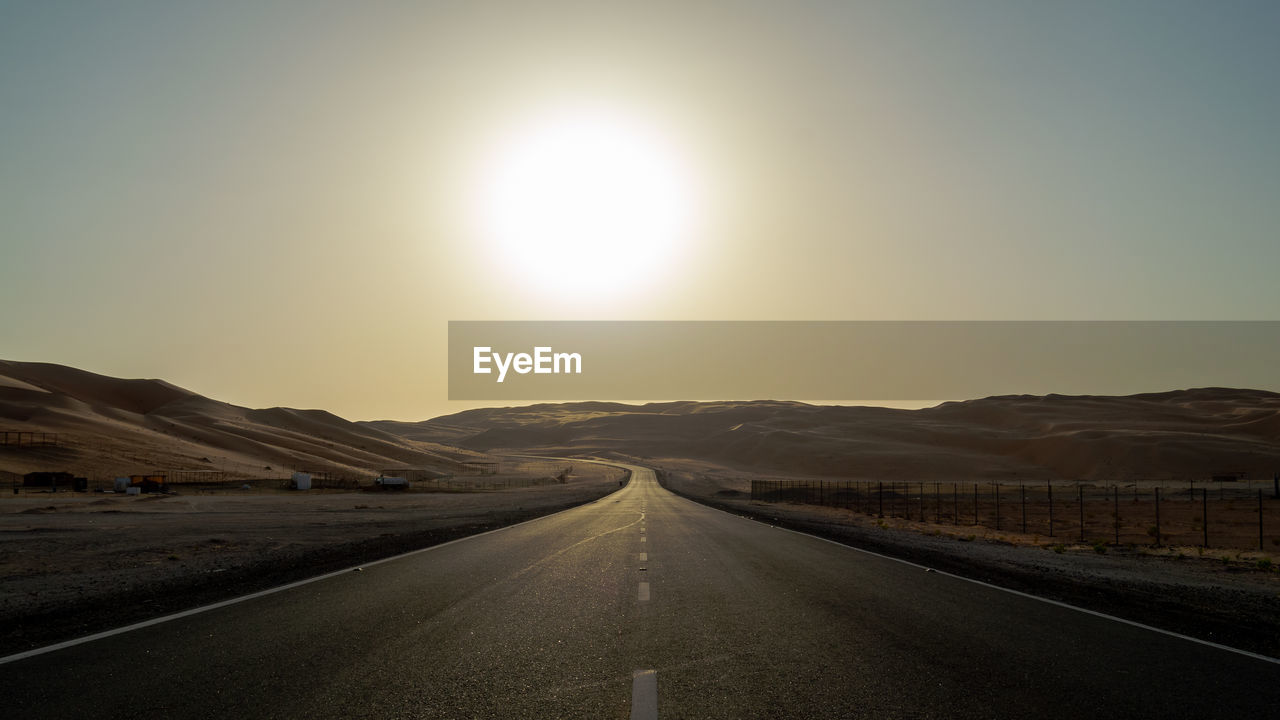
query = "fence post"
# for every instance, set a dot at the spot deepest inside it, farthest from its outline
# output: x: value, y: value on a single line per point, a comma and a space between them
x: 975, y: 503
x: 1204, y: 511
x: 1115, y: 492
x: 997, y: 488
x: 880, y: 491
x: 937, y: 503
x: 922, y: 502
x: 955, y: 503
x: 1049, y: 485
x: 1022, y: 490
x: 1158, y: 541
x: 1261, y: 545
x: 1080, y: 495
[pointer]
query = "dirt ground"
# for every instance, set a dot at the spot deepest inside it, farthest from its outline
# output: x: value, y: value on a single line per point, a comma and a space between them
x: 74, y: 563
x: 1222, y: 595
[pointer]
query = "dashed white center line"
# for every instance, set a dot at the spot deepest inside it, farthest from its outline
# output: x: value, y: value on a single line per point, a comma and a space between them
x: 644, y: 557
x: 643, y: 594
x: 644, y: 695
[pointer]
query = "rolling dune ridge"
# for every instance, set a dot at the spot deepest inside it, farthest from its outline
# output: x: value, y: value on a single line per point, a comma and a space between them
x: 107, y: 425
x: 1183, y: 434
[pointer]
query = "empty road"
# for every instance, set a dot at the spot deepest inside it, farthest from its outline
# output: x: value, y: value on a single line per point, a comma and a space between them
x: 641, y: 604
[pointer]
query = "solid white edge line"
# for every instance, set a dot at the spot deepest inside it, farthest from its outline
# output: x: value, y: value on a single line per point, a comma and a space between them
x: 1059, y: 603
x: 270, y: 591
x: 644, y: 695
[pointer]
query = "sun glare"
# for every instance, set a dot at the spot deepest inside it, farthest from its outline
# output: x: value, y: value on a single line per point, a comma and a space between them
x: 585, y: 198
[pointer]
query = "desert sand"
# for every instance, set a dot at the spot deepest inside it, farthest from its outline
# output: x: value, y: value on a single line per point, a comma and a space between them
x: 108, y: 426
x: 1169, y: 437
x: 75, y: 562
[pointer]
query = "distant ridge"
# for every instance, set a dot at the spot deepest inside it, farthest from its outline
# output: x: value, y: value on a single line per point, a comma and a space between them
x: 1179, y: 434
x: 113, y: 425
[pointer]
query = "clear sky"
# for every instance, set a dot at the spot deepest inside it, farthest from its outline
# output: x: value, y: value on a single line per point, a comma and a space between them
x: 284, y: 203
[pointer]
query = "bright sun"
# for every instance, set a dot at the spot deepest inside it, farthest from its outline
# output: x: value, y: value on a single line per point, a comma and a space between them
x: 585, y: 198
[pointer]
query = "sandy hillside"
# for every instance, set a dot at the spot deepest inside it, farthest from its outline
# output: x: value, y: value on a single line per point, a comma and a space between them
x: 111, y: 426
x: 108, y: 426
x: 1178, y: 435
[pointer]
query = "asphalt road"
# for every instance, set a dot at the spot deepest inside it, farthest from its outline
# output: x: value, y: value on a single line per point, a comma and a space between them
x: 641, y: 602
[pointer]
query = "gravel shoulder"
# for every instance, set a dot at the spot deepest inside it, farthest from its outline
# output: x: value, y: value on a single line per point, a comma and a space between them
x: 1216, y: 597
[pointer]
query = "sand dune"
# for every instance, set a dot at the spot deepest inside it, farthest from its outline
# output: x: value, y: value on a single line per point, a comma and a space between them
x: 1185, y: 434
x: 114, y: 426
x: 109, y: 426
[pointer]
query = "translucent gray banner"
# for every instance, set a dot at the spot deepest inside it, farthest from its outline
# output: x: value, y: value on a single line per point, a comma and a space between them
x: 853, y: 360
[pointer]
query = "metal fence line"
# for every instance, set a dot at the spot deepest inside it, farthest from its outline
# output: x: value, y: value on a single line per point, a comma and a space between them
x: 1233, y: 517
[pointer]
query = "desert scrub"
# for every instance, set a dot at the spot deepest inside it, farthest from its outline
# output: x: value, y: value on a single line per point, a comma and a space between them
x: 1264, y: 564
x: 1059, y: 548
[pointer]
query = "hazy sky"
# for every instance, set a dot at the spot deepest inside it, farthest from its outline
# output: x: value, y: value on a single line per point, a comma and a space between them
x: 270, y: 202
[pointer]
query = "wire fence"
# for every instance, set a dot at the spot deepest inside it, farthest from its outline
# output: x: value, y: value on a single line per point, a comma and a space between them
x: 1221, y: 516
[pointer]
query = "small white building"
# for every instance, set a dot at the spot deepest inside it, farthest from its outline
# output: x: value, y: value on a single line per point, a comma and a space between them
x: 300, y: 481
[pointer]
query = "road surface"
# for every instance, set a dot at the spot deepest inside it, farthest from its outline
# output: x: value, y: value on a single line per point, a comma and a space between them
x: 638, y: 605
